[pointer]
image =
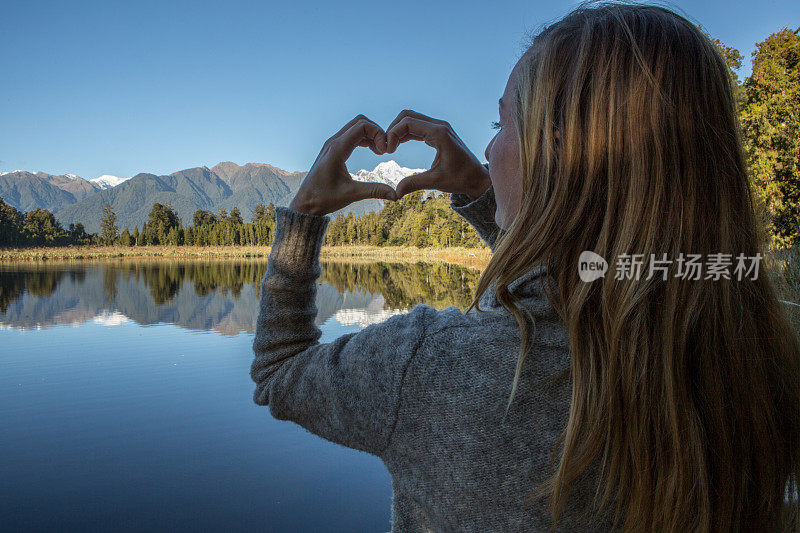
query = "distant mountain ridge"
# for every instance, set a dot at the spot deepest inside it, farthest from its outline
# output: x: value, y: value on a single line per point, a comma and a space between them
x: 27, y: 191
x: 73, y: 199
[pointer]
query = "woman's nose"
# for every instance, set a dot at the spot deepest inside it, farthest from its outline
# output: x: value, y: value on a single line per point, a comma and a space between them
x: 489, y: 148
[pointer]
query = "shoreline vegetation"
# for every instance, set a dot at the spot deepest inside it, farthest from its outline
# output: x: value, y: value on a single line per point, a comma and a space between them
x: 473, y: 257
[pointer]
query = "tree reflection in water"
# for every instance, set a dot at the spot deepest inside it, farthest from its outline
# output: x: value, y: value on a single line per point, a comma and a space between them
x: 202, y: 294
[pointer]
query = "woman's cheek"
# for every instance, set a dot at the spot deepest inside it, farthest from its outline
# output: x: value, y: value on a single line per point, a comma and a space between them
x: 502, y: 199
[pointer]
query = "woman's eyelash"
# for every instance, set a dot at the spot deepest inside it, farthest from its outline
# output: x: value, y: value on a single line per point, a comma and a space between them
x: 496, y: 125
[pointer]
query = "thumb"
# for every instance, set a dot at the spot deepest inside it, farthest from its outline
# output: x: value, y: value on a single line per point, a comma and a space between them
x: 416, y: 182
x: 372, y: 189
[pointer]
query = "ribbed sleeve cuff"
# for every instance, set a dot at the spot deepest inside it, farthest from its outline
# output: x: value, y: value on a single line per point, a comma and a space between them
x: 298, y: 238
x: 462, y: 204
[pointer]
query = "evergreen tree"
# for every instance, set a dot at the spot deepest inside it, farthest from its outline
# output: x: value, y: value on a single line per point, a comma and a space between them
x: 40, y: 227
x: 173, y: 237
x: 188, y: 236
x: 108, y: 226
x: 125, y: 238
x: 144, y: 238
x: 258, y: 213
x: 11, y: 223
x: 201, y: 217
x: 160, y: 221
x: 236, y: 217
x: 77, y: 234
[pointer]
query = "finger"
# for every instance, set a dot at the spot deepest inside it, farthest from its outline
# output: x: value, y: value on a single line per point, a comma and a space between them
x: 410, y: 128
x: 405, y: 138
x: 361, y: 190
x: 362, y: 133
x: 416, y: 182
x: 375, y: 145
x: 400, y: 116
x: 348, y: 125
x: 413, y: 114
x: 378, y: 143
x: 393, y: 143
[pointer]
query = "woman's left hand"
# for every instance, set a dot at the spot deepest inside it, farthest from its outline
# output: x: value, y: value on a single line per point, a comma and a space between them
x: 328, y: 186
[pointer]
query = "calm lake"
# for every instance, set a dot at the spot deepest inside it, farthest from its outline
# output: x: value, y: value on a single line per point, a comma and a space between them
x: 126, y: 400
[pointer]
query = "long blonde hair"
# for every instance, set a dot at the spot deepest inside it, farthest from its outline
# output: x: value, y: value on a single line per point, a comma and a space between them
x: 685, y: 392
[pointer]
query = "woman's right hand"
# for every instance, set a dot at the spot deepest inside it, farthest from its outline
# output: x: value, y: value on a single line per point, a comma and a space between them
x: 455, y: 169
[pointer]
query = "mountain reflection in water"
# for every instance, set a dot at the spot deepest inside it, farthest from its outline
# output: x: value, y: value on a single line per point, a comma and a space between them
x: 219, y: 296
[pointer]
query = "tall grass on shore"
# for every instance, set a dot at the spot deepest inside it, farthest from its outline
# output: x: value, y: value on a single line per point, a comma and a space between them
x: 79, y: 253
x: 476, y: 257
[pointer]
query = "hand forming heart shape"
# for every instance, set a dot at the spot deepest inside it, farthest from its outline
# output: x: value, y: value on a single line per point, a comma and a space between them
x: 328, y: 186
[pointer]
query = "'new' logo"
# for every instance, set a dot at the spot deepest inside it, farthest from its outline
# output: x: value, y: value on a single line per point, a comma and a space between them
x: 591, y: 266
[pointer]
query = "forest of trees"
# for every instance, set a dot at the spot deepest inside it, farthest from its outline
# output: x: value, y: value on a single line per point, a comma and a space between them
x: 769, y: 105
x: 38, y: 228
x: 407, y: 222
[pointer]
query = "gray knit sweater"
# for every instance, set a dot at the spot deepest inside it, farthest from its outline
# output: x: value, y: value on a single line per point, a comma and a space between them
x: 425, y: 391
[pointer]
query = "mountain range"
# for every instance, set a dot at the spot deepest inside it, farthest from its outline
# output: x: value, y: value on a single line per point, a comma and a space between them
x: 73, y: 199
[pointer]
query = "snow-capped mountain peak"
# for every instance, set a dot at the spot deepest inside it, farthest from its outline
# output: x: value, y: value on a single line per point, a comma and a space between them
x: 72, y: 177
x: 391, y: 173
x: 106, y: 181
x: 388, y: 172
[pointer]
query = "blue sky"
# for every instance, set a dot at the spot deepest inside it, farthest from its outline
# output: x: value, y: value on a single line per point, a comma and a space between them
x: 120, y: 88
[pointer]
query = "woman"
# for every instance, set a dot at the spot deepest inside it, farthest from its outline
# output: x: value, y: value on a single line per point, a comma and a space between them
x: 649, y: 402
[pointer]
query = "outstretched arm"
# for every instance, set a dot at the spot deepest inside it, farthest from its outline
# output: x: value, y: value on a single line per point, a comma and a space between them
x: 346, y: 391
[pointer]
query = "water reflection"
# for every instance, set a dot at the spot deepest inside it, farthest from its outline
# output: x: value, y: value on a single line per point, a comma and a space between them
x: 219, y: 296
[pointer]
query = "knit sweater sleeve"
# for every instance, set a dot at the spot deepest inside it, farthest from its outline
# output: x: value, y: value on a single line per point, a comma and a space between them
x: 479, y: 213
x: 346, y: 391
